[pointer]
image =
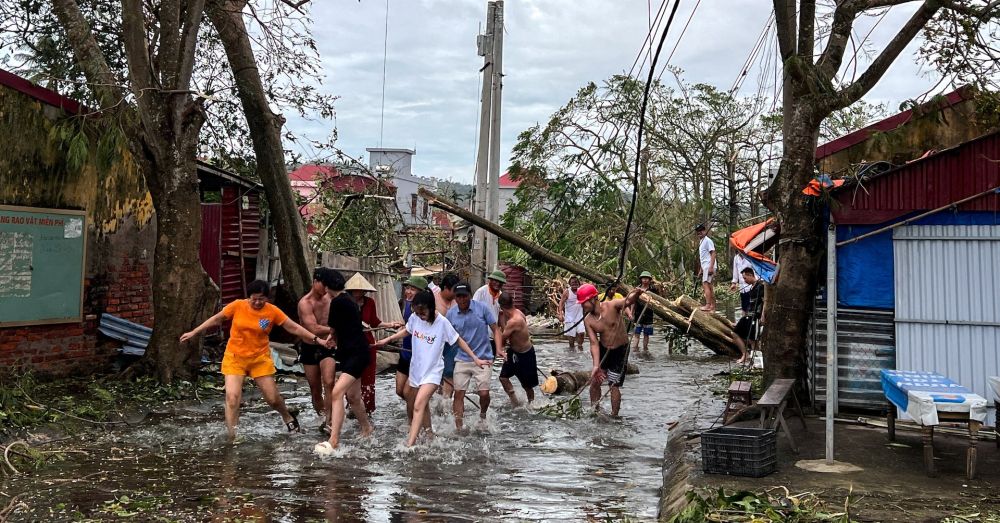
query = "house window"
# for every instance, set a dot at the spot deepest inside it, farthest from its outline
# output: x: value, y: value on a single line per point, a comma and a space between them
x: 424, y: 210
x: 413, y: 204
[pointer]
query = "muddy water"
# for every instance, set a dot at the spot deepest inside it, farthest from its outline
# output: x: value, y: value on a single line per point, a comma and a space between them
x: 518, y: 466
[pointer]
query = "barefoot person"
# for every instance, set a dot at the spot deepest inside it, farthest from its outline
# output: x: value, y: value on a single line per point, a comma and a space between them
x: 248, y: 352
x: 317, y: 360
x: 571, y: 314
x: 352, y: 356
x: 430, y: 331
x: 706, y: 266
x: 644, y: 315
x: 608, y: 342
x: 748, y: 327
x: 444, y: 300
x: 520, y: 359
x: 410, y: 289
x: 473, y: 321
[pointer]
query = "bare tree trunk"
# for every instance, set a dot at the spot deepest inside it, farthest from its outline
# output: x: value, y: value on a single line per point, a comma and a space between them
x: 791, y: 298
x: 297, y: 259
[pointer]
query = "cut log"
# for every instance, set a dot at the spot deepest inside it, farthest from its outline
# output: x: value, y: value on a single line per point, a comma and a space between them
x: 569, y: 382
x: 716, y: 339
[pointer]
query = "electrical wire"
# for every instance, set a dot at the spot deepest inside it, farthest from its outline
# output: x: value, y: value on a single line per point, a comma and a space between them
x: 385, y: 56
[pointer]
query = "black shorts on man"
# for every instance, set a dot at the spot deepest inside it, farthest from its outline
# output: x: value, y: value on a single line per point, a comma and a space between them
x: 310, y: 354
x: 524, y: 365
x: 613, y: 364
x: 746, y: 328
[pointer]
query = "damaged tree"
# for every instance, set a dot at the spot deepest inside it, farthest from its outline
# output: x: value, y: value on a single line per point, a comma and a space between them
x: 710, y: 330
x: 162, y: 120
x: 813, y: 89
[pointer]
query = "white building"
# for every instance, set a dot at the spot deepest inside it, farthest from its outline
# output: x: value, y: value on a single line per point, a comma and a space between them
x: 398, y: 164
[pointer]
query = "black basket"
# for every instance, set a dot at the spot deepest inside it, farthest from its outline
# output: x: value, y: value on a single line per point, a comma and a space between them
x: 739, y: 451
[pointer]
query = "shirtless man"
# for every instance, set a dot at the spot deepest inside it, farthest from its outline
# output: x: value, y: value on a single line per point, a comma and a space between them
x: 604, y: 319
x: 520, y: 359
x: 317, y: 360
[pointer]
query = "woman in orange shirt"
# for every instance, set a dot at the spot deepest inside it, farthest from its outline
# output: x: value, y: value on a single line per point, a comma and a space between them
x: 248, y: 352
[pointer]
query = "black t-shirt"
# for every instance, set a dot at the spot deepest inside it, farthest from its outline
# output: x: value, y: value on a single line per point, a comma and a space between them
x: 756, y: 293
x: 647, y: 315
x: 345, y: 320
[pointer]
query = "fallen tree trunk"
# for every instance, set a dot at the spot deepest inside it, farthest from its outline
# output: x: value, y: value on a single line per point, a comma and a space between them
x: 718, y: 338
x: 569, y: 382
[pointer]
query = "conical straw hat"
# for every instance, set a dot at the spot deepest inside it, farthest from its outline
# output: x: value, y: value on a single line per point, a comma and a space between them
x: 358, y: 283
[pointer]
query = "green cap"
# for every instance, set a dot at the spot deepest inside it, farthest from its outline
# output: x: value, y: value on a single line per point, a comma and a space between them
x: 498, y: 276
x: 417, y: 281
x: 646, y: 274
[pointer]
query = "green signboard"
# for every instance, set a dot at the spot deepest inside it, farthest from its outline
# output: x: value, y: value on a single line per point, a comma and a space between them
x: 42, y: 252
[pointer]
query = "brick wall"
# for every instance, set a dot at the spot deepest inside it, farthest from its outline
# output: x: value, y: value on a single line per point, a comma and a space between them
x: 118, y: 282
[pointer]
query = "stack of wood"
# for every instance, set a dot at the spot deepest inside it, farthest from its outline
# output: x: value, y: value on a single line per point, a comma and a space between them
x: 712, y: 330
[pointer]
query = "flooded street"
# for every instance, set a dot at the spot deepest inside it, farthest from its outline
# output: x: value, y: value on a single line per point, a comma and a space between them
x: 519, y: 466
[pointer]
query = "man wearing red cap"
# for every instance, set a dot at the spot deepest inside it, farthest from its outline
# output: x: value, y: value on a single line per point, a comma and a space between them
x: 604, y: 321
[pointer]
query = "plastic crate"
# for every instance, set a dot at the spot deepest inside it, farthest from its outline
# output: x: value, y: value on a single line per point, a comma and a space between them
x: 739, y: 451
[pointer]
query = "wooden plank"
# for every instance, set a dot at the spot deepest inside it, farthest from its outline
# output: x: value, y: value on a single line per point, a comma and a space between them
x: 776, y: 393
x: 740, y: 386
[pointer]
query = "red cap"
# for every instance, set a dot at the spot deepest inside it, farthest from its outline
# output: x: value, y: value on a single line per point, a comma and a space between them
x: 586, y: 292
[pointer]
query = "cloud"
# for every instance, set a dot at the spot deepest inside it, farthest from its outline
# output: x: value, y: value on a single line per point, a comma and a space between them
x: 551, y: 49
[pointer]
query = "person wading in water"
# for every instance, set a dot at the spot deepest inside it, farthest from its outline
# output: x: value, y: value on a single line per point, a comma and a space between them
x: 248, y: 352
x: 520, y: 360
x: 608, y: 342
x: 317, y: 360
x: 358, y: 286
x: 410, y: 289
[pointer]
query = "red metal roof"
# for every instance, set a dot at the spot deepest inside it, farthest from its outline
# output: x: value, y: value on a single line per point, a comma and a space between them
x: 934, y: 181
x: 890, y: 123
x: 331, y: 176
x: 39, y: 93
x: 507, y: 183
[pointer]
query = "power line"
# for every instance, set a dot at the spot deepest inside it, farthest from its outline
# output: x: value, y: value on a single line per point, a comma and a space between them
x: 385, y: 55
x: 678, y: 42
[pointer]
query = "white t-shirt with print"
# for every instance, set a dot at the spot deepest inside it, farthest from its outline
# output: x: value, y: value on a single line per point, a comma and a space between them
x: 428, y: 340
x: 705, y: 252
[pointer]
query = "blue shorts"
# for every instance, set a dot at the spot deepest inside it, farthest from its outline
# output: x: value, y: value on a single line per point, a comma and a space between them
x: 450, y: 350
x: 644, y: 329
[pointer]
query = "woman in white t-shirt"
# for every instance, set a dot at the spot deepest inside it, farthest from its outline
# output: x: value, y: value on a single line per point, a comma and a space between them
x: 430, y: 332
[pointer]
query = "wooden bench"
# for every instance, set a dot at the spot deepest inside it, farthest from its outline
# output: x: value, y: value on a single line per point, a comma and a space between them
x: 739, y: 399
x: 772, y: 408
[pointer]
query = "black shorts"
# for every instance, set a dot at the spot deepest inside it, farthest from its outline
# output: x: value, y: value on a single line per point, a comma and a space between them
x: 746, y: 328
x: 310, y: 354
x: 613, y: 364
x: 523, y: 365
x: 403, y: 367
x: 353, y: 362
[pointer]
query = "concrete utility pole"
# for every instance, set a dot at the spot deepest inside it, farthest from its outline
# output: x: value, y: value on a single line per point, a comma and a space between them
x: 485, y: 45
x: 493, y: 204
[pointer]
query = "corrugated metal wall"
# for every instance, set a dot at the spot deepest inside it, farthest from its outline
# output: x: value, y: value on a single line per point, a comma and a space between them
x: 948, y: 302
x: 209, y: 251
x: 865, y: 346
x: 240, y: 241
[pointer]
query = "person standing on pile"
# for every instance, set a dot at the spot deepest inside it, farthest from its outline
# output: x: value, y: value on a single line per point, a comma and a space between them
x: 473, y: 321
x: 706, y: 266
x: 520, y: 360
x: 317, y: 360
x: 410, y: 289
x: 248, y: 352
x: 358, y: 287
x: 571, y: 314
x: 430, y: 331
x: 353, y: 356
x: 444, y: 300
x: 644, y: 315
x: 608, y: 342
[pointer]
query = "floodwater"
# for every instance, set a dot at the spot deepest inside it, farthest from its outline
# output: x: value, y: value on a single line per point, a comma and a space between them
x: 520, y: 466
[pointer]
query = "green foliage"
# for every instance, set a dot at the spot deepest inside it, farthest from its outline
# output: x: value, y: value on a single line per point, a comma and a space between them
x: 571, y: 408
x: 775, y: 505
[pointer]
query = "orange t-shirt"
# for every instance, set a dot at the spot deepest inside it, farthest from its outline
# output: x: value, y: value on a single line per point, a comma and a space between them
x: 248, y: 337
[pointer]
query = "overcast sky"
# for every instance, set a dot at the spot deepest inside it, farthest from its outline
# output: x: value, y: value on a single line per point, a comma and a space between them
x: 551, y: 49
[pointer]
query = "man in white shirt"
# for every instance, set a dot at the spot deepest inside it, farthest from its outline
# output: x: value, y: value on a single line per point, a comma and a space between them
x: 740, y: 262
x: 706, y: 267
x: 489, y: 294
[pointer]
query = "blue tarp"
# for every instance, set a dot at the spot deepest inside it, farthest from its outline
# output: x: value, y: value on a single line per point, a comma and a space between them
x: 865, y: 269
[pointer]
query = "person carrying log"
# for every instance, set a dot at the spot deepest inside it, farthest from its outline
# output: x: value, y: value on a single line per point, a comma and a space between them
x: 571, y: 314
x: 520, y: 360
x: 608, y: 342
